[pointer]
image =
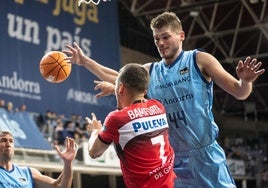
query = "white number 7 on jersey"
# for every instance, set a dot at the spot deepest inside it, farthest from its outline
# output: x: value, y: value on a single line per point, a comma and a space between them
x: 160, y: 140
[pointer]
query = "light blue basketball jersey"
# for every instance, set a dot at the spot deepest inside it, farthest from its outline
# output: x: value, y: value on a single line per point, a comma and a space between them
x: 18, y: 177
x: 187, y: 97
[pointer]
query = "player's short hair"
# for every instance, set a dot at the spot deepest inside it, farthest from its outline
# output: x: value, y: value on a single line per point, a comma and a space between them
x: 2, y: 133
x: 166, y: 19
x: 134, y: 76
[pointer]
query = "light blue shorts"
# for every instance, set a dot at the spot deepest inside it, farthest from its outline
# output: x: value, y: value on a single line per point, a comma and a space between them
x: 203, y: 168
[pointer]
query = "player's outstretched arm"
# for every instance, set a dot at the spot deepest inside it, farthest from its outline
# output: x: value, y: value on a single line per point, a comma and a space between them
x: 66, y: 177
x: 241, y: 87
x: 76, y: 56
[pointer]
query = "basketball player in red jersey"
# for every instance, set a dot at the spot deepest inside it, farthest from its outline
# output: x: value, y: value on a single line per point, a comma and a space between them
x: 139, y: 131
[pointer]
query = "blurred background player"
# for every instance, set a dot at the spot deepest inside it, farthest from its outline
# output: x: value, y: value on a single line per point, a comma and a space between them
x: 12, y: 175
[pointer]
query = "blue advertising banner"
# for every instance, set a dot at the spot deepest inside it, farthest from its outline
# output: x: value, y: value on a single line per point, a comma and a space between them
x: 24, y: 129
x: 31, y: 28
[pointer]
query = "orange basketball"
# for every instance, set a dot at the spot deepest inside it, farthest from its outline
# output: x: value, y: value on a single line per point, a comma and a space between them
x: 54, y: 68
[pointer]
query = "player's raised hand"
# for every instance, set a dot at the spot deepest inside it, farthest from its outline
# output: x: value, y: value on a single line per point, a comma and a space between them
x: 70, y: 151
x: 249, y: 70
x: 75, y: 54
x: 93, y: 123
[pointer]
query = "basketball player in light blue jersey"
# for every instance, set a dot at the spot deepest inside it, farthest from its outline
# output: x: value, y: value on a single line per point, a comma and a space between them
x: 13, y: 175
x: 183, y: 82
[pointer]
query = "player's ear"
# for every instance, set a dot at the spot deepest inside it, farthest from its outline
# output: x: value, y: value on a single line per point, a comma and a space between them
x: 182, y: 34
x: 121, y: 88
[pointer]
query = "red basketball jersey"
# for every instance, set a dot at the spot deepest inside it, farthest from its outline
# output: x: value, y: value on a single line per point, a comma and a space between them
x: 140, y: 135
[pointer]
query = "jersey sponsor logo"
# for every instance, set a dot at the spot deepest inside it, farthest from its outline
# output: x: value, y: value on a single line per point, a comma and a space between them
x: 146, y: 125
x: 161, y: 171
x: 178, y: 99
x: 141, y: 126
x: 175, y: 83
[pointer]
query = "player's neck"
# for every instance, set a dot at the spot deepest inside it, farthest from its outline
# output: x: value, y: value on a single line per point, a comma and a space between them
x: 138, y: 100
x: 6, y: 165
x: 131, y: 99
